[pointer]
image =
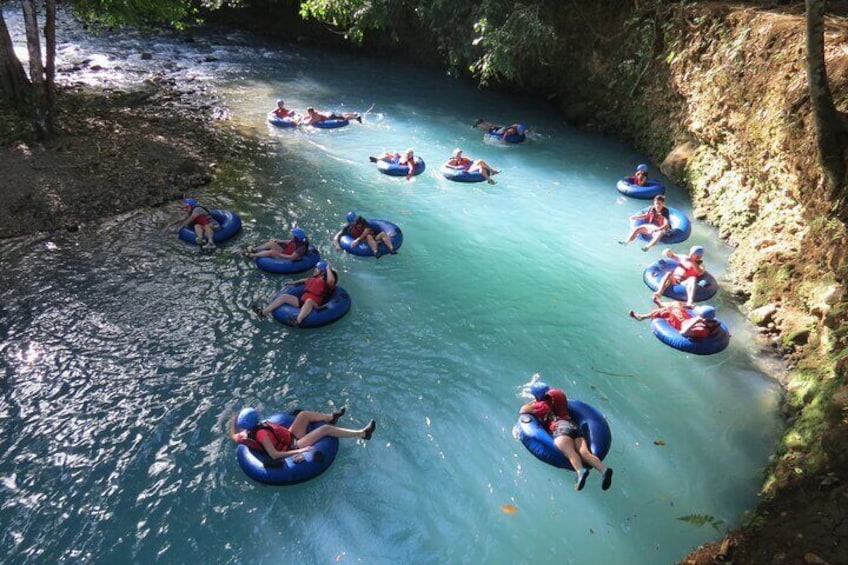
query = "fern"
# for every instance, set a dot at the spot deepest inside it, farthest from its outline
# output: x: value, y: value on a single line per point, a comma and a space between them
x: 702, y: 520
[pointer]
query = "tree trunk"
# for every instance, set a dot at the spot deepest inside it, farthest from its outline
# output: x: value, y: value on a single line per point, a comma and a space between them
x: 14, y: 84
x: 40, y: 115
x: 830, y: 130
x: 50, y: 63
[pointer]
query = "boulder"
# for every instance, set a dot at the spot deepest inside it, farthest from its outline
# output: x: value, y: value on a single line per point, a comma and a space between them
x: 763, y: 315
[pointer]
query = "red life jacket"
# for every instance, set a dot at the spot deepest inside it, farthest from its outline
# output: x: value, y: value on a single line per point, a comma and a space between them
x: 674, y: 315
x: 559, y: 403
x: 358, y: 227
x: 703, y: 328
x: 689, y: 269
x: 294, y: 246
x: 204, y: 218
x: 554, y: 407
x: 317, y: 286
x: 542, y: 412
x: 657, y: 218
x: 281, y: 434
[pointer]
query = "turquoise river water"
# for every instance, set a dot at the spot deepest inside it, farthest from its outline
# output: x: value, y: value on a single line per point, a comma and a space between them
x: 125, y: 351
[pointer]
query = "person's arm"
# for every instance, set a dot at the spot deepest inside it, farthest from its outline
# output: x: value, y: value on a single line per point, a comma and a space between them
x: 190, y: 219
x: 300, y: 251
x: 234, y: 435
x: 365, y: 233
x: 295, y: 283
x: 640, y: 216
x: 174, y: 222
x: 410, y: 168
x: 337, y: 237
x: 296, y: 255
x: 687, y: 325
x: 331, y: 277
x: 529, y: 408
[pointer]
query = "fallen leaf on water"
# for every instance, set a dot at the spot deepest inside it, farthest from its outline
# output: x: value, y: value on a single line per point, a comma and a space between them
x: 659, y: 442
x: 509, y: 508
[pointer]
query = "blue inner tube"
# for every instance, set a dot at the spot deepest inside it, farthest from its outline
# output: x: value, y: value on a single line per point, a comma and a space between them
x: 289, y: 266
x: 229, y: 222
x: 645, y: 192
x: 397, y: 170
x: 334, y: 309
x: 460, y: 175
x: 540, y: 443
x: 681, y: 227
x: 715, y: 343
x: 261, y: 468
x: 511, y: 138
x: 332, y: 123
x: 705, y: 288
x: 288, y: 122
x: 362, y: 248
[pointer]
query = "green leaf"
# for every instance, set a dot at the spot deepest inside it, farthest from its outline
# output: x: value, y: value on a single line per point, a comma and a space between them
x: 702, y: 520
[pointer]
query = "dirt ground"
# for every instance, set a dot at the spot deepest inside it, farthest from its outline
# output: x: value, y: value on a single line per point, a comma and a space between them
x: 113, y: 153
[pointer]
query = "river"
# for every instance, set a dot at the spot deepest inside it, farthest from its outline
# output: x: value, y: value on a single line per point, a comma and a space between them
x: 126, y: 351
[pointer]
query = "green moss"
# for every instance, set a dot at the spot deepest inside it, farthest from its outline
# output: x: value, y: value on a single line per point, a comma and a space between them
x: 771, y: 283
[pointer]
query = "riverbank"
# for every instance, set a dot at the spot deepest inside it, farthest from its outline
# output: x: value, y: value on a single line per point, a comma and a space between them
x: 114, y: 152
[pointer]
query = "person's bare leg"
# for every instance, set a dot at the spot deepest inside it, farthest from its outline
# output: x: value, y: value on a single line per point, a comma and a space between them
x: 305, y: 310
x: 289, y: 299
x: 333, y: 431
x: 656, y: 236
